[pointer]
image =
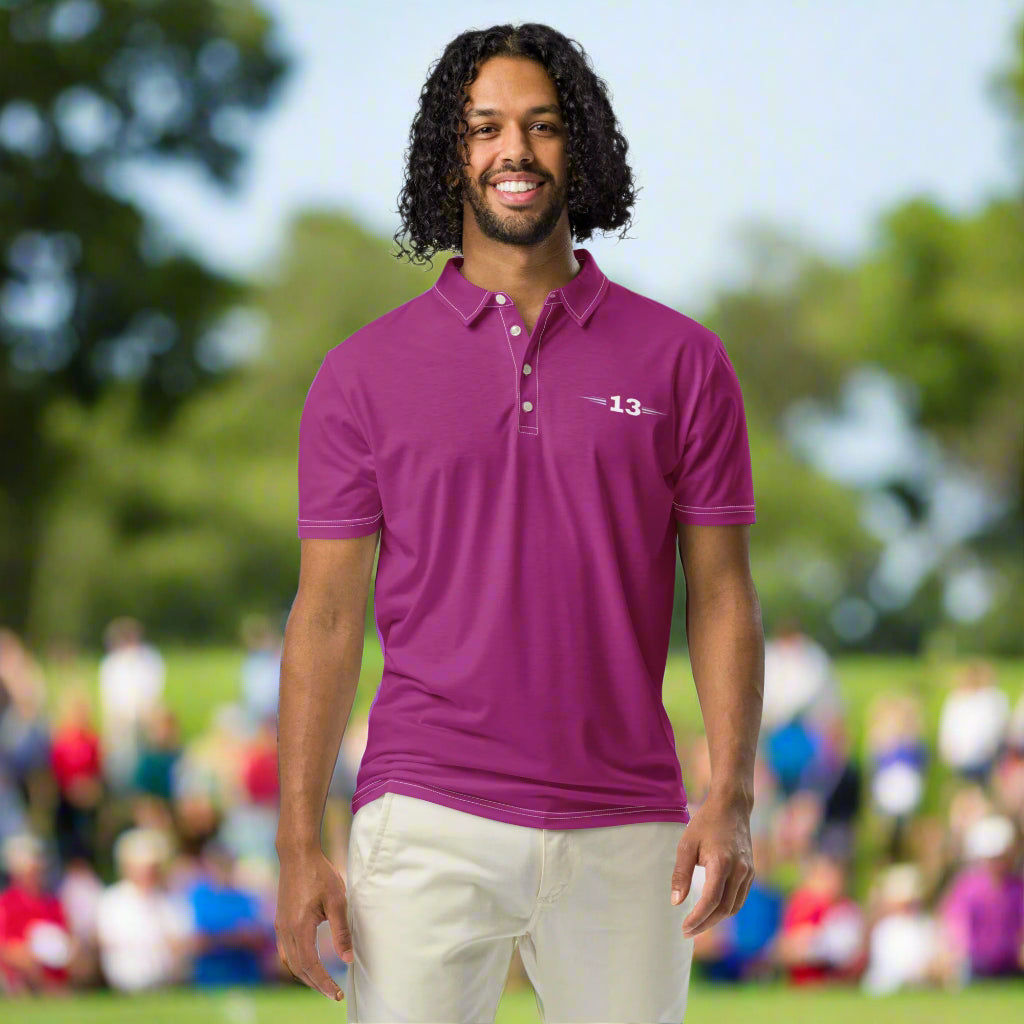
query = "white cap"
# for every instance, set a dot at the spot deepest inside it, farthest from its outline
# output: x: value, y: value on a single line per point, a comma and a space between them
x: 989, y: 836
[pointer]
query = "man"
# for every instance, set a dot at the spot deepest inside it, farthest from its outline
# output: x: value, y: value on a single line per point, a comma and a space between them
x: 131, y: 684
x: 230, y: 936
x: 982, y: 910
x: 145, y: 933
x: 36, y: 948
x: 822, y: 938
x: 520, y: 782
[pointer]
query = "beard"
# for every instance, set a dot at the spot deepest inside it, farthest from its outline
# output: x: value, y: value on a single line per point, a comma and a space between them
x: 528, y: 226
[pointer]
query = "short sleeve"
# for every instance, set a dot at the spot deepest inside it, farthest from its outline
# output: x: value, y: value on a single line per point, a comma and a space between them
x: 338, y: 494
x: 712, y: 482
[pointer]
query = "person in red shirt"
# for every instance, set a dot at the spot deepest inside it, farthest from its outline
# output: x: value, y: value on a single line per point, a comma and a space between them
x: 259, y: 768
x: 76, y: 762
x: 36, y: 946
x: 823, y: 937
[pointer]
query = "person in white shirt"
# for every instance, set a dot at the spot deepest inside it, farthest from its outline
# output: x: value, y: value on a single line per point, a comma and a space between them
x: 798, y: 679
x: 145, y: 934
x: 131, y: 677
x: 973, y: 722
x: 904, y: 945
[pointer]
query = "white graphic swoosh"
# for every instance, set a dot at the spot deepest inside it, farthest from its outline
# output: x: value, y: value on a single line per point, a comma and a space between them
x: 604, y: 401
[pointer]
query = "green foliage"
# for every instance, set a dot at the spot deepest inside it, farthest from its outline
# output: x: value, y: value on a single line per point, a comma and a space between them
x: 161, y: 80
x: 186, y: 516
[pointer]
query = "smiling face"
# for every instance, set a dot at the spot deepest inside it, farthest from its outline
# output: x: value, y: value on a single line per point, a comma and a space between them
x: 515, y: 128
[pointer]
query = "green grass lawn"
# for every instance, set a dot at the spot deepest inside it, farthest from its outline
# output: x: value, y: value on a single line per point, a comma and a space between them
x: 988, y: 1003
x: 200, y: 678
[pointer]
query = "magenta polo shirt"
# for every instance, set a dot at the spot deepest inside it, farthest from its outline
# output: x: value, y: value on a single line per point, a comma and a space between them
x: 527, y: 487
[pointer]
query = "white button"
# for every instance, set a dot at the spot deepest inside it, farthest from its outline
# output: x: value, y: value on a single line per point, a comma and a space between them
x: 527, y: 369
x: 527, y: 406
x: 516, y: 329
x: 501, y: 299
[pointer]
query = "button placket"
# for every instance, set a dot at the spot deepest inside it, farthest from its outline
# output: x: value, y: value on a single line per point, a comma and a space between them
x: 526, y: 388
x: 527, y: 382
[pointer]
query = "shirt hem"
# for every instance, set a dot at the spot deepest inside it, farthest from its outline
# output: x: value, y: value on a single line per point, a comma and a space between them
x: 515, y: 815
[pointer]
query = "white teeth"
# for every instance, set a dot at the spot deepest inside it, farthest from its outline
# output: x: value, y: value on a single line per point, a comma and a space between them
x: 516, y: 186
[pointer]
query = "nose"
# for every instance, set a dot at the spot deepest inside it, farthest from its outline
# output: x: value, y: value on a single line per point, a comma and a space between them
x: 515, y: 148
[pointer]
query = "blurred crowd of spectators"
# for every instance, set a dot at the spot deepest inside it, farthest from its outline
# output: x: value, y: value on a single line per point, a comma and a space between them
x: 133, y: 860
x: 942, y: 896
x: 130, y: 859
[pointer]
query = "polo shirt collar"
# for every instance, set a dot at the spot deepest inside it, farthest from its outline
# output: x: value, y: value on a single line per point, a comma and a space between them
x: 581, y: 296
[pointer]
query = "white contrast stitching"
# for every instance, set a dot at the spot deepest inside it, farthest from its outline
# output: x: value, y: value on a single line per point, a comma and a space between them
x: 498, y: 305
x: 580, y: 316
x: 515, y: 366
x: 456, y: 308
x: 347, y: 526
x: 540, y: 337
x: 522, y: 810
x: 600, y: 290
x: 712, y: 508
x: 466, y: 317
x: 340, y: 522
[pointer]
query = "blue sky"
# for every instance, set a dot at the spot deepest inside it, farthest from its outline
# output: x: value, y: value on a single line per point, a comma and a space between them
x: 812, y: 115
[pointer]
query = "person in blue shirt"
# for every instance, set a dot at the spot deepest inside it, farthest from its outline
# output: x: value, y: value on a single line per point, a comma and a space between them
x: 230, y: 934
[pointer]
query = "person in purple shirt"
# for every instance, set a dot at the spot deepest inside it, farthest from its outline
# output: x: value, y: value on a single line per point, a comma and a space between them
x: 536, y: 447
x: 982, y: 912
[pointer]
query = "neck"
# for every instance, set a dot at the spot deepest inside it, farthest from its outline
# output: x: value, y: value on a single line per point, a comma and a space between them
x: 518, y: 269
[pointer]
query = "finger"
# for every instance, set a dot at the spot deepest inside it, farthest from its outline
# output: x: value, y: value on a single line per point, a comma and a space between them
x: 341, y: 937
x: 742, y: 893
x: 682, y: 876
x: 307, y: 966
x: 283, y: 957
x: 724, y: 908
x: 716, y: 875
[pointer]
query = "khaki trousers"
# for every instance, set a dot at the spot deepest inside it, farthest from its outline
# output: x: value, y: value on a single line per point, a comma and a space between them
x: 438, y: 899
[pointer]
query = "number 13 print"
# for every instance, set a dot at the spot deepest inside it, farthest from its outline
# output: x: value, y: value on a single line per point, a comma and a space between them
x: 634, y: 404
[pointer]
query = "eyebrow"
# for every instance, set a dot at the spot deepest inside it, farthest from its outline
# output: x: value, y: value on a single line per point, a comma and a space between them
x: 551, y: 108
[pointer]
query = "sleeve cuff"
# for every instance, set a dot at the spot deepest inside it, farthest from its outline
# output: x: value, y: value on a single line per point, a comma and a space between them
x: 713, y: 515
x: 359, y: 527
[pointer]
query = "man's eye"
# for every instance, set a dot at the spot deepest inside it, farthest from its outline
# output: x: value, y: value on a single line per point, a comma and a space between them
x: 491, y: 128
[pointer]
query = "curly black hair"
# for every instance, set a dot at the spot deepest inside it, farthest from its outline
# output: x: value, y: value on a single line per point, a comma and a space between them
x: 431, y: 208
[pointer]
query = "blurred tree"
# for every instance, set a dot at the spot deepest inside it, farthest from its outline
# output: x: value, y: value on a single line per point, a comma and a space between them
x: 938, y: 304
x: 91, y: 297
x: 191, y: 527
x: 192, y: 524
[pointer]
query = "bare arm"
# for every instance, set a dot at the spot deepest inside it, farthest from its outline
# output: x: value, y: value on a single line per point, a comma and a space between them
x: 320, y: 663
x: 726, y: 644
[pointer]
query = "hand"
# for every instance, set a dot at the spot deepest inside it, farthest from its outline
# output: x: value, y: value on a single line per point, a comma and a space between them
x: 718, y: 838
x: 310, y: 890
